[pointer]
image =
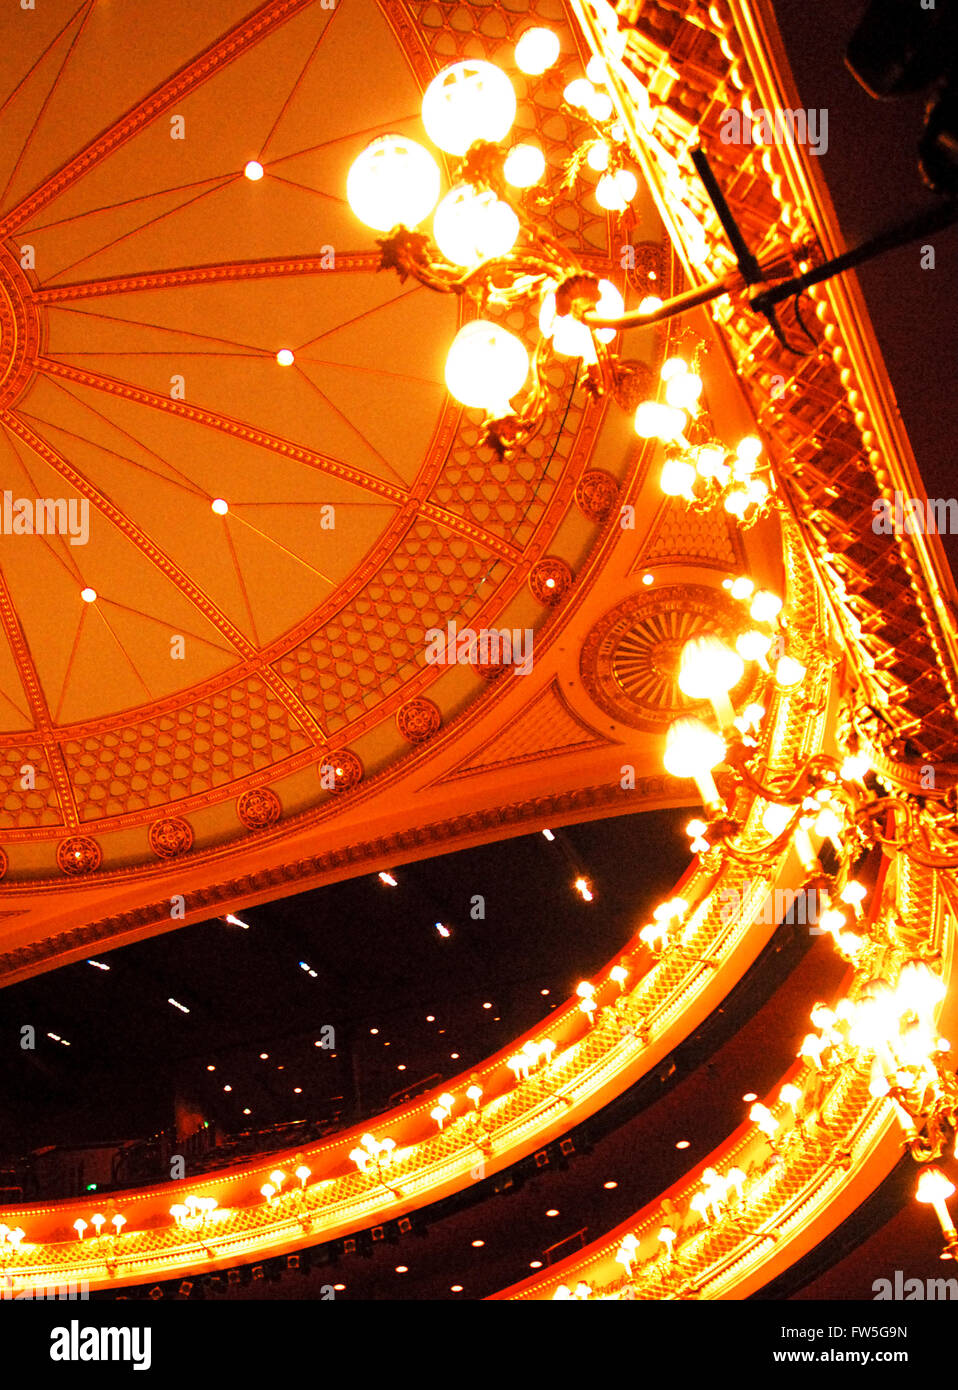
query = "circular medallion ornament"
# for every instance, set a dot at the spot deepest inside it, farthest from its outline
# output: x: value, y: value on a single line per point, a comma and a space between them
x: 340, y: 771
x: 78, y: 855
x: 596, y: 494
x: 550, y: 580
x: 630, y: 660
x: 492, y: 667
x: 418, y: 720
x: 4, y: 863
x: 170, y: 837
x: 259, y: 808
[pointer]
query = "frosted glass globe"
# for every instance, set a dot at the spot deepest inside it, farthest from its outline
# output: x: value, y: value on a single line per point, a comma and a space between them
x: 537, y: 50
x: 393, y: 182
x: 486, y: 366
x: 467, y: 102
x: 524, y: 166
x: 470, y: 226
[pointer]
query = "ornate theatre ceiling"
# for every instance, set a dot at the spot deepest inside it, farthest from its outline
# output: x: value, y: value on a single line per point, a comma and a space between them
x: 246, y: 706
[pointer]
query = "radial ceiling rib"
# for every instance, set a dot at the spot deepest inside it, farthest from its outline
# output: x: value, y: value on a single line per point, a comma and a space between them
x: 231, y: 46
x: 213, y: 420
x: 41, y: 714
x: 165, y: 564
x: 345, y: 262
x: 32, y: 69
x: 71, y: 49
x: 296, y: 85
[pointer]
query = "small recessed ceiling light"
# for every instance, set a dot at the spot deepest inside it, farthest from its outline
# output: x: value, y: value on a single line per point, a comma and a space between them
x: 211, y: 1067
x: 749, y: 1097
x: 543, y: 991
x: 441, y: 929
x: 88, y: 595
x: 478, y: 1244
x: 402, y: 1269
x: 454, y: 1056
x: 339, y: 1287
x: 487, y: 1006
x: 247, y: 1111
x: 455, y: 1288
x: 264, y: 1056
x: 430, y: 1018
x: 285, y: 358
x: 401, y: 1067
x: 648, y: 579
x: 220, y: 506
x: 552, y: 1212
x: 374, y: 1031
x: 609, y: 1185
x: 227, y: 1088
x: 254, y: 170
x: 548, y: 834
x: 682, y: 1144
x: 535, y: 1264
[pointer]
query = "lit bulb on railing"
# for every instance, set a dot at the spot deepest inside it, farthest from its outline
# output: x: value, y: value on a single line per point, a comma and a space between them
x: 789, y: 673
x: 440, y: 1114
x: 486, y: 366
x: 763, y: 1117
x: 811, y: 1050
x: 854, y: 893
x: 708, y: 670
x: 536, y: 51
x: 98, y: 1221
x: 268, y: 1191
x: 304, y: 1174
x: 933, y: 1189
x: 619, y: 974
x: 118, y: 1221
x: 668, y: 1238
x: 468, y: 101
x: 693, y: 750
x: 475, y: 1095
x: 79, y: 1226
x: 625, y: 1255
x: 394, y: 182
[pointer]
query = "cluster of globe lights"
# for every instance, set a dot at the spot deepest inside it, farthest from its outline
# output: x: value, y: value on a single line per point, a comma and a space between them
x: 394, y: 185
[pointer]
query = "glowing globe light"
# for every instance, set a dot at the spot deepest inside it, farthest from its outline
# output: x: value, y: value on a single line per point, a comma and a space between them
x: 683, y: 391
x: 789, y: 672
x: 467, y: 102
x: 597, y: 72
x: 524, y: 166
x: 765, y: 606
x: 598, y: 156
x: 599, y: 106
x: 254, y: 171
x: 649, y: 304
x: 933, y: 1186
x: 486, y: 366
x: 579, y: 93
x: 654, y: 420
x: 614, y: 192
x: 470, y: 227
x: 742, y: 587
x: 749, y: 448
x: 753, y: 646
x: 692, y: 750
x: 709, y: 460
x: 737, y: 504
x: 610, y: 305
x: 677, y: 478
x: 673, y: 367
x: 536, y: 51
x: 393, y: 182
x: 570, y: 338
x: 708, y: 667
